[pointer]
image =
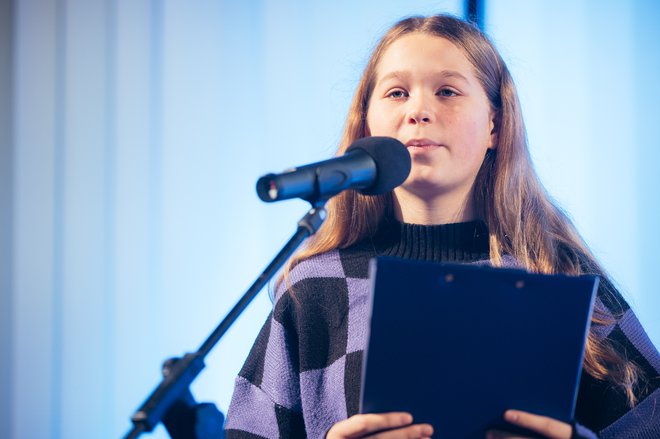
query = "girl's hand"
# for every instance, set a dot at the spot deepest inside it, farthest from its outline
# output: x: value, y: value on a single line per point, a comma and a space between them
x: 550, y: 428
x: 381, y: 426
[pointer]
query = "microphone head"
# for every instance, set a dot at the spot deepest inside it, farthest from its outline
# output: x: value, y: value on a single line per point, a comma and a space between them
x: 392, y: 162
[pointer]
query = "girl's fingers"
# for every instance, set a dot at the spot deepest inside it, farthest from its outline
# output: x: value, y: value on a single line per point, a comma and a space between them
x: 549, y: 427
x: 365, y: 425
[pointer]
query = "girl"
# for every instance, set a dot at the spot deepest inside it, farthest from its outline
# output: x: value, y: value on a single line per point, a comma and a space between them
x: 438, y: 85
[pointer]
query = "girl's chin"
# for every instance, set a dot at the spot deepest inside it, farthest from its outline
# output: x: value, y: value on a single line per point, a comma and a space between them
x: 423, y: 186
x: 423, y: 177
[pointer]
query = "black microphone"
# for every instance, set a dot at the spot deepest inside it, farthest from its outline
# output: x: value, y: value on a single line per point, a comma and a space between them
x: 371, y: 165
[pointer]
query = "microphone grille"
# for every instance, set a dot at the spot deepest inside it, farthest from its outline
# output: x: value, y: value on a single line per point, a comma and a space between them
x: 392, y: 162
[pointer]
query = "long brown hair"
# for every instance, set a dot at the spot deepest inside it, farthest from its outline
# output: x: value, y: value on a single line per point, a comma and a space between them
x: 522, y: 220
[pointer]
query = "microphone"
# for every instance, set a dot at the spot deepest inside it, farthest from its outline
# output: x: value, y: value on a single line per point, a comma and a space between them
x: 371, y: 165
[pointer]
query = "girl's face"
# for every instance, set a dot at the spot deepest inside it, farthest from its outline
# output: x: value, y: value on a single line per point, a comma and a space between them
x: 427, y: 95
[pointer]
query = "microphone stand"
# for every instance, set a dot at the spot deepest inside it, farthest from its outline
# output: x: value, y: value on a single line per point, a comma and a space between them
x: 172, y: 401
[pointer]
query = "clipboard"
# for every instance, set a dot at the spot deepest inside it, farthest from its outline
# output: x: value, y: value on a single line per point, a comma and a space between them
x: 457, y: 345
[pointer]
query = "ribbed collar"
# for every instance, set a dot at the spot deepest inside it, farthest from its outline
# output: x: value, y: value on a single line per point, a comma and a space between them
x: 459, y: 242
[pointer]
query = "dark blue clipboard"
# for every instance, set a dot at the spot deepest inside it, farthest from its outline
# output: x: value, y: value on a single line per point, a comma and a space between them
x: 457, y: 345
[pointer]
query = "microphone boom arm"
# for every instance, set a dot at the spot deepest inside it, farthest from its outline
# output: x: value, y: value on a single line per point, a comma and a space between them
x: 172, y: 402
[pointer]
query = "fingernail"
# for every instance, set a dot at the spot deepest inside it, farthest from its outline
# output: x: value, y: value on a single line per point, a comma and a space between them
x: 427, y: 430
x: 406, y: 418
x: 511, y: 416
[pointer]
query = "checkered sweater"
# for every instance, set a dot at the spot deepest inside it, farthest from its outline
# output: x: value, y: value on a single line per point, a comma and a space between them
x: 303, y: 373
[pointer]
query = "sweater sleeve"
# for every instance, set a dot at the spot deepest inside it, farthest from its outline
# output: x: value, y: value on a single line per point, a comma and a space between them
x: 604, y: 408
x: 582, y: 432
x: 266, y: 398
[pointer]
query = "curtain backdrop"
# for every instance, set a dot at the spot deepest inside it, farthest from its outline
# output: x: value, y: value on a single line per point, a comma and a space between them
x: 138, y: 128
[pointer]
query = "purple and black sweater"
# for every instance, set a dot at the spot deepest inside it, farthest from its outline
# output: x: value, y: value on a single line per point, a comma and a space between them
x: 303, y: 373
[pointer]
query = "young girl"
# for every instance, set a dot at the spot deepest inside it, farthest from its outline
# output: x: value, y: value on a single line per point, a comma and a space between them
x: 438, y: 85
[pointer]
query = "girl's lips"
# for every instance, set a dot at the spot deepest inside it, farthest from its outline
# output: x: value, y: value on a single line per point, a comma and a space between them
x: 421, y: 143
x: 423, y: 146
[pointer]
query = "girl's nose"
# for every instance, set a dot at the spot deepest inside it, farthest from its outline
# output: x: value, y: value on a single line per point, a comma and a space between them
x: 419, y: 112
x: 420, y: 116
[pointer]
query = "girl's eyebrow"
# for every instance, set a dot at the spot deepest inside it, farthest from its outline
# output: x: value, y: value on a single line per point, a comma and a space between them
x: 401, y: 74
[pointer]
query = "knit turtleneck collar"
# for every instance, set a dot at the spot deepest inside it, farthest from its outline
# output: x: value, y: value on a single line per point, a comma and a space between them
x: 459, y: 242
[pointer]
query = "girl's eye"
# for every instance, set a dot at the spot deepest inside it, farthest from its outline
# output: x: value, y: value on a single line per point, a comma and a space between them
x: 446, y: 92
x: 397, y: 94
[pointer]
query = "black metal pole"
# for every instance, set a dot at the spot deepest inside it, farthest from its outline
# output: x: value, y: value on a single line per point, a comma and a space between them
x: 474, y: 12
x: 179, y: 374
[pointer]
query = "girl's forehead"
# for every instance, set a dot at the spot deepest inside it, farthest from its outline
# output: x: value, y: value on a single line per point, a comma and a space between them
x: 422, y: 53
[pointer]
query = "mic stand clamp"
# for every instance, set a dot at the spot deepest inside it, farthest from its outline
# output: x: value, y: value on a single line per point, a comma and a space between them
x: 187, y: 419
x: 172, y: 402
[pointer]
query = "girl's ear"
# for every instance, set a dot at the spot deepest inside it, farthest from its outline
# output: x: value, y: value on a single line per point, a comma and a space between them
x: 494, y: 129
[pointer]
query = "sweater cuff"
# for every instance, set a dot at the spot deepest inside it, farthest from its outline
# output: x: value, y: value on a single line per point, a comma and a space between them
x: 582, y: 432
